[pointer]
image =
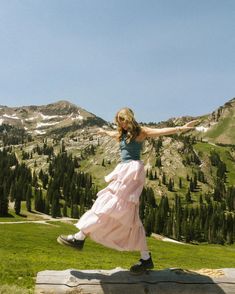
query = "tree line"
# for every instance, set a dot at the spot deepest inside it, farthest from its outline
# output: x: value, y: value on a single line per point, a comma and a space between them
x: 211, y: 221
x: 65, y: 190
x: 211, y: 218
x: 10, y: 135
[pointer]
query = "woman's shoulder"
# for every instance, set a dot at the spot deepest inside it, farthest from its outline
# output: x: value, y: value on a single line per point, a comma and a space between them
x: 142, y: 135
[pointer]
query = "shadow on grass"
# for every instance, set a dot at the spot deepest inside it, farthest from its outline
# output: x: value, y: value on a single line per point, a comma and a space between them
x: 22, y: 215
x: 9, y: 215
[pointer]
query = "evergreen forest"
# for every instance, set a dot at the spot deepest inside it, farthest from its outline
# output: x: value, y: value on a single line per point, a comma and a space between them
x: 64, y: 189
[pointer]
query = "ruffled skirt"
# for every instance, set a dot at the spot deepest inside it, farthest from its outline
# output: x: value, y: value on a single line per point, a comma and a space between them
x: 114, y: 220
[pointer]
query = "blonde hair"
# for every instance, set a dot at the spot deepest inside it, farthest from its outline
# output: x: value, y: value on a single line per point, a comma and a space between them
x: 133, y: 129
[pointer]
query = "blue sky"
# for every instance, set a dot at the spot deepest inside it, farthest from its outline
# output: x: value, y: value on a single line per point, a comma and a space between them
x: 161, y: 58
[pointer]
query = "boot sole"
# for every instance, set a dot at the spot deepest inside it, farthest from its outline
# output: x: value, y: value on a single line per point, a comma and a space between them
x: 147, y: 271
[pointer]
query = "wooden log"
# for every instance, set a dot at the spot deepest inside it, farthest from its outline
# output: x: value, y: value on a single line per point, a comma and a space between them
x: 121, y: 281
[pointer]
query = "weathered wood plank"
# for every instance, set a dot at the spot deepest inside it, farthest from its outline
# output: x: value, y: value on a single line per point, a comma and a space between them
x: 116, y: 281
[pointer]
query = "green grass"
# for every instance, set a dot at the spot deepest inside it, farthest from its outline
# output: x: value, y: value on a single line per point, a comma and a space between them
x: 98, y: 171
x: 219, y: 129
x: 26, y: 249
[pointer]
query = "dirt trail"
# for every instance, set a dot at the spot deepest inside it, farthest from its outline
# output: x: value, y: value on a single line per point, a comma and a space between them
x: 63, y: 219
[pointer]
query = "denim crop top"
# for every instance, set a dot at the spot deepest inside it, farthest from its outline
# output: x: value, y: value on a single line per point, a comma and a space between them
x: 130, y: 151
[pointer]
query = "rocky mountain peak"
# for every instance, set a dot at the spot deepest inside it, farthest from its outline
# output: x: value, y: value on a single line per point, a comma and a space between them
x: 46, y: 119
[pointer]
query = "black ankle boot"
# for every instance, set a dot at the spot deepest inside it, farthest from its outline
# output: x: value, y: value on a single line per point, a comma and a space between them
x: 142, y: 266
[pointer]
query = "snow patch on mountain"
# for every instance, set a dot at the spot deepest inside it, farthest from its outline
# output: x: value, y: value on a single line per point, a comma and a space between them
x: 39, y: 132
x: 41, y: 125
x: 13, y: 116
x: 79, y: 117
x: 202, y: 129
x: 30, y: 118
x: 48, y: 117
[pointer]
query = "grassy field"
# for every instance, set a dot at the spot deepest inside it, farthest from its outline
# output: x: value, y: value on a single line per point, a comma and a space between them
x: 26, y: 249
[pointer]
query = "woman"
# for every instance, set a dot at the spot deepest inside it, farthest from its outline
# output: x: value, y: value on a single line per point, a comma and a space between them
x: 114, y: 219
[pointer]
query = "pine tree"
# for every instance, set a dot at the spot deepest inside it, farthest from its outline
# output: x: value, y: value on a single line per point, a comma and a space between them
x: 65, y: 213
x: 180, y: 183
x: 178, y: 217
x: 28, y: 197
x: 195, y: 181
x: 3, y: 202
x: 219, y: 190
x: 200, y: 200
x: 149, y: 222
x: 188, y: 197
x: 147, y: 173
x: 39, y: 203
x: 35, y: 180
x: 170, y: 185
x: 47, y: 206
x: 17, y: 205
x: 55, y: 206
x: 161, y: 216
x: 187, y: 232
x: 158, y: 162
x: 230, y: 228
x: 191, y: 185
x: 164, y: 179
x: 155, y: 175
x: 62, y: 146
x: 150, y: 175
x: 230, y: 198
x: 75, y: 211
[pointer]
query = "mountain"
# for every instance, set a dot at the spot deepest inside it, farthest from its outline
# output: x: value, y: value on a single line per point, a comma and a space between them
x: 189, y: 176
x: 62, y: 118
x: 219, y: 125
x: 48, y: 119
x: 180, y: 156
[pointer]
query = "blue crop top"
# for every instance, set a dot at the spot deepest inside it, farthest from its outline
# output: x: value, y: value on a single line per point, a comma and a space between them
x: 130, y: 151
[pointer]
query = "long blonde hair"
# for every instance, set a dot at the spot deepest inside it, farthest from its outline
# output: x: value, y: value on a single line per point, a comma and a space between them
x: 133, y: 129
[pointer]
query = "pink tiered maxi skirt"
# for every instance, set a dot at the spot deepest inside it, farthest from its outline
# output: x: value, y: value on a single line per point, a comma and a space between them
x: 114, y: 220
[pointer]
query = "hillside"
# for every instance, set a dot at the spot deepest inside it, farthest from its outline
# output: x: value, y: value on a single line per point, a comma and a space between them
x: 184, y: 173
x: 171, y: 157
x: 220, y: 125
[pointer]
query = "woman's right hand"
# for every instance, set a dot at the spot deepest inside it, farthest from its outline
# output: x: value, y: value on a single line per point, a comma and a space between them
x: 191, y: 124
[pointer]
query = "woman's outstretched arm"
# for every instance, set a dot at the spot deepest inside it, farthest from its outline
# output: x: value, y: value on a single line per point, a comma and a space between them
x: 153, y: 133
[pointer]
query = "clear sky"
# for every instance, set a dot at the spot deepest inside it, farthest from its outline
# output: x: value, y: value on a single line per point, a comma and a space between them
x: 162, y: 58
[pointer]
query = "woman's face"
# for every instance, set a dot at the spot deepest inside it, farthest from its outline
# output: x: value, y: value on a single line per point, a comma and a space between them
x: 122, y: 123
